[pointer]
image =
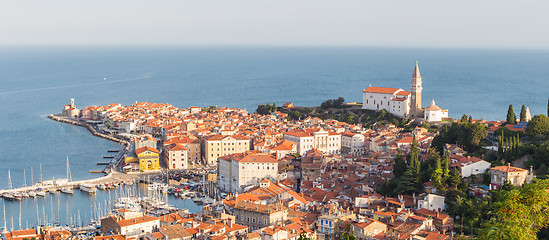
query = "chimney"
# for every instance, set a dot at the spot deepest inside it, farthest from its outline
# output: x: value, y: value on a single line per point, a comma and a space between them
x: 377, y: 208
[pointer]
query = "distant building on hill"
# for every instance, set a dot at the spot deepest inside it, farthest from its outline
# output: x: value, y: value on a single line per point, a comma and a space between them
x: 395, y: 100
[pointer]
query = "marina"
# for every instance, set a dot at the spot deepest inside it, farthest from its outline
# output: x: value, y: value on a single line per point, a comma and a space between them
x: 88, y: 204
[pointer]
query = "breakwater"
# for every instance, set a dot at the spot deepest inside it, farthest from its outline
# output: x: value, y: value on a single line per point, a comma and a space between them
x: 90, y: 128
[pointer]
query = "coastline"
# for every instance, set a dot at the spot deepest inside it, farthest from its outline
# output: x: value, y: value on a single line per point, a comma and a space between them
x: 90, y: 128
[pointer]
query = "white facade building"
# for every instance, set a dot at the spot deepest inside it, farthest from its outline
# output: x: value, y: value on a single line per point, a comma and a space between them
x: 353, y: 143
x: 432, y: 202
x: 236, y: 171
x: 469, y: 165
x: 320, y: 139
x: 433, y: 113
x: 394, y: 100
x: 175, y: 156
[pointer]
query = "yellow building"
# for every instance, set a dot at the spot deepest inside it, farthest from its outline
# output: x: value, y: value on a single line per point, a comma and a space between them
x: 219, y: 145
x: 148, y: 158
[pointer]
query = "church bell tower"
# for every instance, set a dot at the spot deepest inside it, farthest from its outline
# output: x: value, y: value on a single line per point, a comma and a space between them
x: 416, y: 88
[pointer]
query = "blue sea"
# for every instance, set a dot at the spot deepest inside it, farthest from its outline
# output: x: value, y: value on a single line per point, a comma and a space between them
x: 38, y: 81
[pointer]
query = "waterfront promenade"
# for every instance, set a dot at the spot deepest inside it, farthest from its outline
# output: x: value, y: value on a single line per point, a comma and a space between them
x: 89, y: 127
x: 113, y: 177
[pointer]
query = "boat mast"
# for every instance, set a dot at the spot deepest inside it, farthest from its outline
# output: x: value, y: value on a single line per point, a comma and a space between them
x: 24, y: 178
x: 9, y: 179
x: 20, y: 227
x: 4, y: 207
x: 37, y: 214
x: 32, y: 177
x: 69, y: 177
x: 41, y: 173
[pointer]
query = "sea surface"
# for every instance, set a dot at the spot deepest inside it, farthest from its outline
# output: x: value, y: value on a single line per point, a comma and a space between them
x: 38, y: 81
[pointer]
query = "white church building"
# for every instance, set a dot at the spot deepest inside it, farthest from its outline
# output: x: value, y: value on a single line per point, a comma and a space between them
x: 433, y: 113
x: 395, y: 100
x: 402, y: 103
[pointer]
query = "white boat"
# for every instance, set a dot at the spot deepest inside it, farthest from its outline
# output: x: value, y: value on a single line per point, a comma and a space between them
x: 40, y: 193
x: 101, y: 187
x: 17, y: 196
x: 88, y: 188
x: 32, y: 193
x: 8, y: 196
x: 25, y: 194
x: 67, y: 190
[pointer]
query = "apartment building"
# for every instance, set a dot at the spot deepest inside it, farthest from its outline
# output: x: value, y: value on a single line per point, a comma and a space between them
x: 219, y: 145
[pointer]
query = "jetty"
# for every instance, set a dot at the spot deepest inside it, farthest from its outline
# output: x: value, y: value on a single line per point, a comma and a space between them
x: 90, y: 128
x: 56, y: 185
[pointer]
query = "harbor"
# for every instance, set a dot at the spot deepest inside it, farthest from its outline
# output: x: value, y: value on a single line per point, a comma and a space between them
x: 80, y: 208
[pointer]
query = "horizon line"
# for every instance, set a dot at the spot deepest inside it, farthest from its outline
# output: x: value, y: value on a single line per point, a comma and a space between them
x: 441, y: 46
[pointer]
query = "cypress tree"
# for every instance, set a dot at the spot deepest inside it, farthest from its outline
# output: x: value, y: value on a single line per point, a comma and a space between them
x: 523, y: 114
x: 446, y: 163
x: 463, y: 119
x: 500, y: 145
x: 507, y: 152
x: 511, y: 119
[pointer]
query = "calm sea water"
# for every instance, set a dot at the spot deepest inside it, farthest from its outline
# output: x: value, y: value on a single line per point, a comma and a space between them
x: 38, y: 81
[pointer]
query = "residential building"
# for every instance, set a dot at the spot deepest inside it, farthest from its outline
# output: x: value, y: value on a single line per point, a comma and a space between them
x: 328, y: 224
x: 315, y: 138
x: 238, y: 170
x: 469, y: 166
x: 256, y: 216
x: 175, y: 156
x: 353, y: 143
x: 22, y: 234
x: 221, y: 145
x: 368, y: 228
x: 441, y: 222
x: 432, y: 202
x: 514, y: 175
x: 131, y: 227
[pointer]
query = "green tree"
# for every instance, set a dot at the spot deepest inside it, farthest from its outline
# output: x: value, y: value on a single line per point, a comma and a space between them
x: 523, y: 113
x: 463, y: 119
x: 539, y: 125
x: 348, y: 234
x: 303, y: 236
x: 511, y: 119
x: 446, y: 164
x: 477, y: 132
x: 520, y: 212
x: 400, y: 165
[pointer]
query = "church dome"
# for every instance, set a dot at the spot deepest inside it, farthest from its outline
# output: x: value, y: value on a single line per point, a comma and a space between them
x: 433, y: 107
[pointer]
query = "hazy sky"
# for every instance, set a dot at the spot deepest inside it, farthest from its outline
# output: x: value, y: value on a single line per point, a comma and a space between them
x: 277, y: 22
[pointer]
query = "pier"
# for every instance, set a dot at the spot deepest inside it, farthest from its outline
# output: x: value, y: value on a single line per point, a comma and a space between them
x: 113, y: 177
x: 90, y: 128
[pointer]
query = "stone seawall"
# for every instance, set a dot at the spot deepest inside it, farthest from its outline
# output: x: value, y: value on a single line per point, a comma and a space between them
x: 90, y: 128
